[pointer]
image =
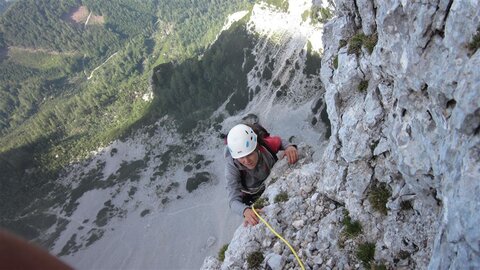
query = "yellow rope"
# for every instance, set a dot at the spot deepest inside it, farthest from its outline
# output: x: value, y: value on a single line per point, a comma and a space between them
x: 279, y: 236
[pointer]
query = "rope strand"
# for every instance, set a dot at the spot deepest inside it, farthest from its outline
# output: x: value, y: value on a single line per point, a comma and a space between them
x: 279, y: 236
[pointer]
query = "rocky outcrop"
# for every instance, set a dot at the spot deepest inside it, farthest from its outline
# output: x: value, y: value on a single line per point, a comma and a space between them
x: 420, y: 114
x: 397, y: 186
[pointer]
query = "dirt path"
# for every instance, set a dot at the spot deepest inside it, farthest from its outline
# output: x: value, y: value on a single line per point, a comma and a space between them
x: 91, y: 73
x: 88, y: 18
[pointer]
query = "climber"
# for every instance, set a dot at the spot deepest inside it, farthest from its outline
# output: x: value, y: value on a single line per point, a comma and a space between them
x: 249, y: 159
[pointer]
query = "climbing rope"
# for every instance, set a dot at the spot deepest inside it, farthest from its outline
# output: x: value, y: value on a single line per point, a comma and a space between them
x: 279, y: 236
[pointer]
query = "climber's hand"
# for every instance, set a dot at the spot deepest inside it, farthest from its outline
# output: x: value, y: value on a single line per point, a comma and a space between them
x: 249, y: 217
x: 292, y: 154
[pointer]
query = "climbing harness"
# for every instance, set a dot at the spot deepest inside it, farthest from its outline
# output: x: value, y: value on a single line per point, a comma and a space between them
x: 279, y: 236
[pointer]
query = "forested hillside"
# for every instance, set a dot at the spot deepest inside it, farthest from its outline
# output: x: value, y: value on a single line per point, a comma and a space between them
x: 68, y: 86
x: 39, y: 24
x: 192, y: 90
x: 4, y: 5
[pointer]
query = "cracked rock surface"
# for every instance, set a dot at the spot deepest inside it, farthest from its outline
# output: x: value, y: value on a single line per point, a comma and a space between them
x: 403, y: 158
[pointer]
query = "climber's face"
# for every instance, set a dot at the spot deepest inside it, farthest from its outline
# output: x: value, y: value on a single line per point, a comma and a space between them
x: 250, y: 161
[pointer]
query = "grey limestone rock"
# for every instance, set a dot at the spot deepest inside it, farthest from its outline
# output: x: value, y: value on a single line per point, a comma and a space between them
x: 414, y: 131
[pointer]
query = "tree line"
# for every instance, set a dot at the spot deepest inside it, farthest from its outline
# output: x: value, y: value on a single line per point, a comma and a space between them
x: 192, y: 90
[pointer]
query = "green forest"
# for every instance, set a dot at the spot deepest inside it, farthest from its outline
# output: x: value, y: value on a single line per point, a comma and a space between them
x: 44, y: 24
x: 192, y: 90
x: 67, y: 88
x: 4, y: 5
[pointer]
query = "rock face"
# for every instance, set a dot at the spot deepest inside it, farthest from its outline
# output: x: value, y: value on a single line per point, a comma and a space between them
x: 403, y: 159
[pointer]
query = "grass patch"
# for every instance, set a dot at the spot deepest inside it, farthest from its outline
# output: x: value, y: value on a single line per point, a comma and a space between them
x: 379, y: 267
x: 325, y: 14
x: 475, y: 43
x: 403, y: 255
x: 305, y: 15
x: 406, y: 205
x: 95, y: 235
x: 267, y: 73
x: 335, y: 62
x: 106, y: 214
x: 71, y: 246
x: 357, y: 41
x: 255, y: 259
x: 260, y: 203
x: 320, y: 14
x: 37, y: 59
x: 280, y: 4
x: 221, y: 252
x: 172, y: 186
x: 378, y: 197
x: 363, y: 85
x: 89, y: 181
x: 351, y: 228
x: 355, y: 44
x: 130, y: 171
x: 276, y: 83
x: 199, y: 178
x: 281, y: 197
x: 198, y: 158
x: 370, y: 42
x: 132, y: 191
x: 366, y: 253
x: 167, y: 158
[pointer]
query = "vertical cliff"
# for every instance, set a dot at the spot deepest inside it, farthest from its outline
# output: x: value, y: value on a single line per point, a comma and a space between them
x: 419, y: 112
x: 397, y: 186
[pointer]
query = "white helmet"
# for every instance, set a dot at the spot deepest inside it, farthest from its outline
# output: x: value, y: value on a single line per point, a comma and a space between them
x: 241, y: 141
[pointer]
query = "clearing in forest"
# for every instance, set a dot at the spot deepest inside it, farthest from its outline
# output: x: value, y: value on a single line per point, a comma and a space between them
x: 38, y: 58
x: 83, y: 15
